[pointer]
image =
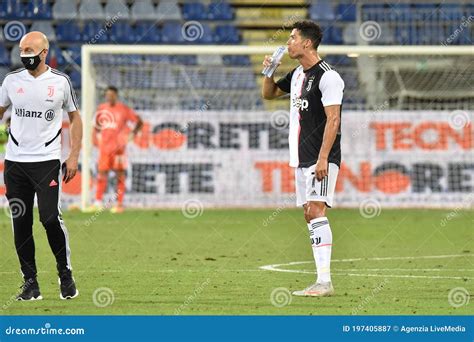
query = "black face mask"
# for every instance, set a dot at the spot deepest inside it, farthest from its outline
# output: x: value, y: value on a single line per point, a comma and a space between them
x: 31, y: 62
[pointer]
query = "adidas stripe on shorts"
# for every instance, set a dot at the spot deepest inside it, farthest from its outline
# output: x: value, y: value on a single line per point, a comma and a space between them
x: 308, y: 188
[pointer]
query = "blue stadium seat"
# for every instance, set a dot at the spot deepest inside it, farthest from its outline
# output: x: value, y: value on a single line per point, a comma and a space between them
x: 206, y: 36
x: 450, y: 11
x: 171, y: 33
x: 227, y: 34
x: 4, y: 56
x: 401, y: 12
x: 55, y: 53
x: 146, y: 33
x: 425, y: 12
x: 68, y: 32
x: 121, y: 32
x: 65, y: 9
x: 143, y: 10
x: 322, y: 11
x: 220, y: 10
x: 14, y: 9
x: 76, y: 80
x: 75, y: 53
x: 116, y: 9
x: 168, y: 10
x: 38, y: 9
x: 93, y: 33
x: 194, y: 11
x: 184, y: 59
x: 236, y: 60
x: 346, y: 12
x: 336, y: 35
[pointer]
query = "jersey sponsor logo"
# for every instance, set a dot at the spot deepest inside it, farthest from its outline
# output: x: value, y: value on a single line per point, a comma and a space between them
x: 23, y: 113
x: 49, y: 115
x: 300, y: 103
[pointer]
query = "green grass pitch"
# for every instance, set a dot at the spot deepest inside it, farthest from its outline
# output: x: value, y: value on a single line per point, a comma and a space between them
x: 162, y: 263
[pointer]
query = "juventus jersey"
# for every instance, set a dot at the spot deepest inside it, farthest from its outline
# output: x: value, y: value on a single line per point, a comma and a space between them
x: 310, y: 91
x: 36, y: 113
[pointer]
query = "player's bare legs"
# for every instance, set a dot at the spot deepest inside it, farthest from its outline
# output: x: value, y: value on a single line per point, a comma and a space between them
x: 321, y: 242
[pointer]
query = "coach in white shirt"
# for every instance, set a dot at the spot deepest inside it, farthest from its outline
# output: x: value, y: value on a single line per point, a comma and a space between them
x: 38, y: 95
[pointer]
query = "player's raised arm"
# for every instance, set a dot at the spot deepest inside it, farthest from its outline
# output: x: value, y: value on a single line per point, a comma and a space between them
x: 270, y: 89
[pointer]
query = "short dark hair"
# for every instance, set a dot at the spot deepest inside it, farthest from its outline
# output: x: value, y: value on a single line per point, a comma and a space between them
x: 113, y: 88
x: 310, y: 30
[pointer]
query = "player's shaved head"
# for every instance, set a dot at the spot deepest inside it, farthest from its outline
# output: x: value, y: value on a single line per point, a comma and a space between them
x: 34, y: 42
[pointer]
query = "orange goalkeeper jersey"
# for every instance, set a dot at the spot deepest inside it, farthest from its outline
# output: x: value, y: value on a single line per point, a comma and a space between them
x: 112, y: 124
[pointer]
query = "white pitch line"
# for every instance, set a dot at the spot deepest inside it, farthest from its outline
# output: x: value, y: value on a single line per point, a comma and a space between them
x: 275, y: 267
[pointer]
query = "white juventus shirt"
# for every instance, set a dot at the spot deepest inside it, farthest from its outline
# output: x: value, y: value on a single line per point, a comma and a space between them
x: 36, y: 113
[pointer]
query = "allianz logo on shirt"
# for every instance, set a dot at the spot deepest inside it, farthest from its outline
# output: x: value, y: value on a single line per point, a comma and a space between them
x: 300, y: 103
x: 23, y: 113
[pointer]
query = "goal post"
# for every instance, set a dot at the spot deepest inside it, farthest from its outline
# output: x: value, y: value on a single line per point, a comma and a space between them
x: 383, y: 81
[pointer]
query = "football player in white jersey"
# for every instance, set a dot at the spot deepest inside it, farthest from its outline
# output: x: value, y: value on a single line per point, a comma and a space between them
x: 37, y: 95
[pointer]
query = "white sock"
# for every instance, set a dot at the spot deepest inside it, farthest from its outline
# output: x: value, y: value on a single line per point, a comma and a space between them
x: 321, y: 241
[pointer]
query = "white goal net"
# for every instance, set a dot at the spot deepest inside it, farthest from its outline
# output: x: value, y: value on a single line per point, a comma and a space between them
x: 407, y: 136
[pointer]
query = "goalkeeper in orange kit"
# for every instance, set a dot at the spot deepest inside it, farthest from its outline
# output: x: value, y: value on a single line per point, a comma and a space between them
x: 112, y: 133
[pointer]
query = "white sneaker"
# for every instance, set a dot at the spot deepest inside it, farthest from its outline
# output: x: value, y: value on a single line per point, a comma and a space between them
x: 316, y: 290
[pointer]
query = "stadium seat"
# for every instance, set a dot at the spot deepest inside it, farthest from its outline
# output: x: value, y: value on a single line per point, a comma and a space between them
x: 209, y: 60
x: 4, y: 56
x: 38, y: 9
x: 450, y: 11
x: 13, y: 9
x: 68, y: 32
x: 184, y: 59
x: 400, y: 12
x: 194, y: 11
x: 206, y: 36
x: 15, y: 59
x: 46, y: 27
x: 168, y: 10
x: 171, y: 33
x: 65, y: 9
x: 75, y: 77
x: 227, y: 34
x: 236, y: 60
x: 322, y: 11
x: 121, y: 32
x: 146, y: 33
x: 116, y: 9
x: 55, y: 56
x: 220, y: 10
x: 346, y: 12
x: 143, y: 10
x: 350, y: 34
x: 74, y: 53
x: 91, y: 10
x: 93, y: 33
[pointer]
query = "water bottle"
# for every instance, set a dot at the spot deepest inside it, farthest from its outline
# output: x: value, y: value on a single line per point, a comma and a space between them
x: 275, y: 59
